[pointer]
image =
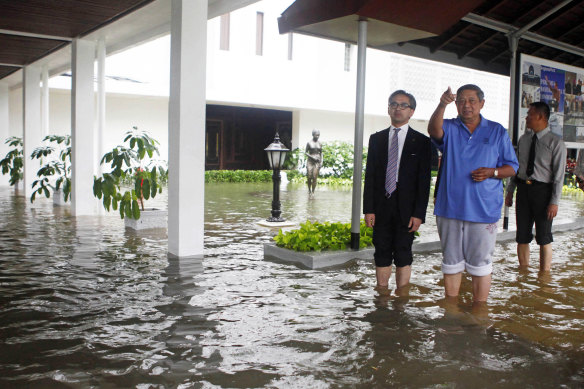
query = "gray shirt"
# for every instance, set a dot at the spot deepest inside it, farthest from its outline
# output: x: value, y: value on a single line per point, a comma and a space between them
x: 550, y: 161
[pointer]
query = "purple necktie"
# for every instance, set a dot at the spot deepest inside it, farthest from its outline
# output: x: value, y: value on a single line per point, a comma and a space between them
x: 391, y: 172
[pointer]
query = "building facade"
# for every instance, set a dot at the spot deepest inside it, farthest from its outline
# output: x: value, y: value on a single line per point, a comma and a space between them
x: 259, y: 81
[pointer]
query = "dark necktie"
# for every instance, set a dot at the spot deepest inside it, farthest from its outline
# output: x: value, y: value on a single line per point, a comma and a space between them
x: 391, y: 172
x: 531, y: 160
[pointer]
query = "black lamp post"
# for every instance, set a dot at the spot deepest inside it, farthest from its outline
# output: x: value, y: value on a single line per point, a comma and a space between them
x: 276, y: 156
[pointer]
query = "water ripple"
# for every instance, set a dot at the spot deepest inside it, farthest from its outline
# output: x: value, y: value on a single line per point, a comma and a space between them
x: 85, y: 303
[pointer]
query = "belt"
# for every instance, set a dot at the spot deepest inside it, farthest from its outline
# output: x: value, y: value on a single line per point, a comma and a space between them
x: 530, y: 182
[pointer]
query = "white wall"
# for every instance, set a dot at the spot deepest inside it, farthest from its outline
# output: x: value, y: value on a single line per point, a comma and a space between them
x: 15, y: 116
x: 122, y: 113
x: 315, y: 78
x: 151, y: 114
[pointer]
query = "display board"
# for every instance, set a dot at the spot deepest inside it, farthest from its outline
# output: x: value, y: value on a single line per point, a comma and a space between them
x: 559, y: 85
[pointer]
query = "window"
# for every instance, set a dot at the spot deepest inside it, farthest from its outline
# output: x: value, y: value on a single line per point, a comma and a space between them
x: 347, y: 57
x: 224, y: 32
x: 260, y: 33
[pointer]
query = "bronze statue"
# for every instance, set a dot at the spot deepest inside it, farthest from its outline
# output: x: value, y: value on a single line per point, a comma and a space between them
x: 313, y: 161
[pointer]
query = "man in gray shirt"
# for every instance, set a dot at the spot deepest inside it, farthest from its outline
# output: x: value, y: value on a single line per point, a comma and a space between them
x: 539, y: 181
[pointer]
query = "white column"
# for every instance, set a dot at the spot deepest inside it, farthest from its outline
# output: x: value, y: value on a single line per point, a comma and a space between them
x: 82, y: 132
x: 32, y: 133
x: 45, y: 101
x: 186, y: 181
x: 4, y: 127
x: 359, y: 126
x: 100, y: 103
x: 296, y: 129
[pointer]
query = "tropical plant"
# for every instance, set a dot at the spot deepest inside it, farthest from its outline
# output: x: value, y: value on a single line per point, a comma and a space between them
x: 132, y: 161
x: 59, y: 169
x: 13, y: 163
x: 293, y: 159
x: 323, y: 236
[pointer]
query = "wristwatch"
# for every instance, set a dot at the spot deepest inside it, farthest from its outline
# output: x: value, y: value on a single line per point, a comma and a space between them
x: 496, y: 173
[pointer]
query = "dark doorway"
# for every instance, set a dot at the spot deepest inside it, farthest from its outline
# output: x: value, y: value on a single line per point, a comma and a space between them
x: 236, y: 136
x: 213, y: 136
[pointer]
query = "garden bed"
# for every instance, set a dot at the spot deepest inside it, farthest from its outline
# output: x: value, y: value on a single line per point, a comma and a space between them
x: 331, y: 258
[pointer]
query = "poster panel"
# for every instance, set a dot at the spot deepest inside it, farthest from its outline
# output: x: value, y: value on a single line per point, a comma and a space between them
x: 561, y: 87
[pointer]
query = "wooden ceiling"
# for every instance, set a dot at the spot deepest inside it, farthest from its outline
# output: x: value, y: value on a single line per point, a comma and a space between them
x: 470, y: 42
x: 32, y: 29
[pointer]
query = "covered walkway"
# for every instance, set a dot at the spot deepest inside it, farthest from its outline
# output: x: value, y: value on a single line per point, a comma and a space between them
x: 38, y: 41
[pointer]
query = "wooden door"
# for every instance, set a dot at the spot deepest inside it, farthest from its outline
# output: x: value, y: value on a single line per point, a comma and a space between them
x: 213, y: 141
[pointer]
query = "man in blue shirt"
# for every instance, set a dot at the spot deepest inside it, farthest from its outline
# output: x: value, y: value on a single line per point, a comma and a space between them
x: 476, y: 155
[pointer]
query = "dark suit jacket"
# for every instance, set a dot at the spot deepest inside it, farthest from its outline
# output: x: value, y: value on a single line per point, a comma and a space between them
x: 413, y: 175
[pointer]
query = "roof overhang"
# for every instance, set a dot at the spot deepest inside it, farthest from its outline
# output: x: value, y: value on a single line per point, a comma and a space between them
x: 388, y: 21
x: 29, y: 37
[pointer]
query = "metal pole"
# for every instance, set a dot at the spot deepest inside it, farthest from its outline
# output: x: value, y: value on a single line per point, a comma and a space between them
x: 513, y: 42
x: 358, y: 144
x: 276, y: 210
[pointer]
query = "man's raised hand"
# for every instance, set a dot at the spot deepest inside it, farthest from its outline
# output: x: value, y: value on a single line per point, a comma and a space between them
x: 447, y: 97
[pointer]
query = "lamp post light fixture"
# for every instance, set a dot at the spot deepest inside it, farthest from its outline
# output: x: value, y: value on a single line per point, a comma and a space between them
x: 276, y: 156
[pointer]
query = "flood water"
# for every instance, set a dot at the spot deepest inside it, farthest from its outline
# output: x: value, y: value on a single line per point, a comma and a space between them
x: 85, y: 303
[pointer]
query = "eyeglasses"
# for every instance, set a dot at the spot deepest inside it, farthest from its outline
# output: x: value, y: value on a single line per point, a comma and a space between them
x: 395, y: 105
x: 470, y: 101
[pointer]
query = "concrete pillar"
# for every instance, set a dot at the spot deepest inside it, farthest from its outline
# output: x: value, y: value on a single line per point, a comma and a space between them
x: 295, y: 129
x: 45, y: 101
x: 186, y: 126
x: 4, y: 127
x: 82, y: 132
x: 100, y: 103
x: 32, y: 133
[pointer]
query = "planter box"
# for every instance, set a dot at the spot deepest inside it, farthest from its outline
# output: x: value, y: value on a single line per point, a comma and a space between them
x: 58, y: 198
x: 323, y: 259
x: 315, y: 260
x: 149, y: 219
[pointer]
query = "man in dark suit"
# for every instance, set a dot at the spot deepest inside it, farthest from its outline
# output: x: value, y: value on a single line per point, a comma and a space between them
x: 397, y: 187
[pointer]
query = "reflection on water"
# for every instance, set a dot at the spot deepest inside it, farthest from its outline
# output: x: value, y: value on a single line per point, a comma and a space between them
x: 85, y: 303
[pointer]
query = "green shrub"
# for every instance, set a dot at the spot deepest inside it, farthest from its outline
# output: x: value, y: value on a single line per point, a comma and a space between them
x: 294, y: 175
x: 322, y: 236
x: 293, y: 158
x: 330, y: 181
x: 337, y: 160
x: 238, y: 176
x: 572, y: 190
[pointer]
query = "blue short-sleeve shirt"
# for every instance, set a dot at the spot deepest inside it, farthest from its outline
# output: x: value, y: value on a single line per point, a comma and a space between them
x: 459, y: 197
